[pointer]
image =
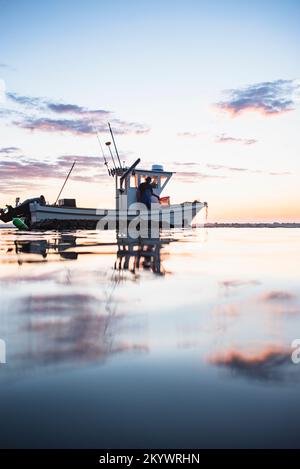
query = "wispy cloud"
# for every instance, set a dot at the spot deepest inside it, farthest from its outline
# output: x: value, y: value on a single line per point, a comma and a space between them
x: 44, y: 104
x: 28, y: 101
x: 38, y: 114
x: 185, y: 163
x: 194, y: 176
x: 218, y: 167
x: 187, y: 171
x: 79, y: 126
x: 74, y: 126
x: 8, y: 150
x: 279, y: 173
x: 61, y: 108
x: 31, y: 171
x: 227, y: 139
x: 268, y: 98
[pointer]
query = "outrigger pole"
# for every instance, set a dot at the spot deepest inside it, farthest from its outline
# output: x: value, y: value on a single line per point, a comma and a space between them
x: 103, y: 154
x: 65, y: 181
x: 105, y: 160
x: 112, y: 157
x: 113, y: 139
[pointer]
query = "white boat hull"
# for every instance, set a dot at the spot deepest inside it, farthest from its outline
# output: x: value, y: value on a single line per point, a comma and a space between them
x: 169, y: 216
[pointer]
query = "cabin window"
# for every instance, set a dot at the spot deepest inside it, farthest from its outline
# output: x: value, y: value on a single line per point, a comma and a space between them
x: 154, y: 182
x: 163, y: 180
x: 133, y: 181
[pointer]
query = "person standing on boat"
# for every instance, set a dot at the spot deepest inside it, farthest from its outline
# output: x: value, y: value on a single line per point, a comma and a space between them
x: 145, y: 191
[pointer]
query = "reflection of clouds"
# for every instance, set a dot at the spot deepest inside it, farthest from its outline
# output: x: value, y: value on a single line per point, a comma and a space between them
x: 278, y: 295
x: 230, y: 284
x: 238, y: 283
x: 70, y: 328
x: 271, y: 363
x: 280, y: 303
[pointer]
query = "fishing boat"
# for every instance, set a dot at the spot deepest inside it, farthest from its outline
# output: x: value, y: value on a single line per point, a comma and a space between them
x: 64, y: 214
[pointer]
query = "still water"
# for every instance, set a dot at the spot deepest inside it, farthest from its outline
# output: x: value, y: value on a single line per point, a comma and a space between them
x: 177, y: 343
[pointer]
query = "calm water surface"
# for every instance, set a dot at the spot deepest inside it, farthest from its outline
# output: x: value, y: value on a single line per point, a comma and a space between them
x: 185, y: 342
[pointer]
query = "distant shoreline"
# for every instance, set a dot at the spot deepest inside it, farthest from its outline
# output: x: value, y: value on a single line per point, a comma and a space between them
x: 252, y: 225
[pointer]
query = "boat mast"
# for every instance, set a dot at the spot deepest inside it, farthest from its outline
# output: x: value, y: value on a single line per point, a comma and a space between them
x: 74, y: 162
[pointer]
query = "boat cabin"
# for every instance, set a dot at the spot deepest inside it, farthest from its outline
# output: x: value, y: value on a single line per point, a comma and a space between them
x: 160, y: 179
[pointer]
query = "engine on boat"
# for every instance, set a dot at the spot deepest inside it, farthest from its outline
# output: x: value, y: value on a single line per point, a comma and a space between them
x: 22, y: 210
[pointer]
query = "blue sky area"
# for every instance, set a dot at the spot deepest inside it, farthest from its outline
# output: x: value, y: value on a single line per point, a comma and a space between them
x: 209, y: 88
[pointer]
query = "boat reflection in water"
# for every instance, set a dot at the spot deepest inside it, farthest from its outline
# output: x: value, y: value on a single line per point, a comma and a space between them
x: 132, y: 253
x: 60, y: 245
x: 144, y: 251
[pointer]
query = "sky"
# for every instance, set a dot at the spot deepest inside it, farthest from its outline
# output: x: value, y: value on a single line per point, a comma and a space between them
x: 209, y: 89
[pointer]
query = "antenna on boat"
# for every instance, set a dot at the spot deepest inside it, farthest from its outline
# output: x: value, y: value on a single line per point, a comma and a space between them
x: 112, y: 157
x: 113, y: 139
x: 65, y: 182
x: 102, y: 151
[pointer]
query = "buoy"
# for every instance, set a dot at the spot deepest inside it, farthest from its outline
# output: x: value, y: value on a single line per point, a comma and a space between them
x: 20, y: 224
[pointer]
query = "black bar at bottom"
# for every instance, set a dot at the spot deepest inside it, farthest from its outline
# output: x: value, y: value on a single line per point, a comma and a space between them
x: 140, y: 458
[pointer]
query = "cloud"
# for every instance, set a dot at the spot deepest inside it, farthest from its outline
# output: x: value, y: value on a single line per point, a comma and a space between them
x: 272, y: 363
x: 227, y: 139
x: 189, y: 176
x: 19, y: 174
x: 279, y: 173
x: 37, y: 114
x: 9, y: 150
x: 60, y: 108
x: 74, y: 126
x: 187, y: 163
x: 44, y: 104
x: 28, y: 101
x: 79, y: 126
x: 218, y: 167
x: 194, y: 176
x: 268, y: 98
